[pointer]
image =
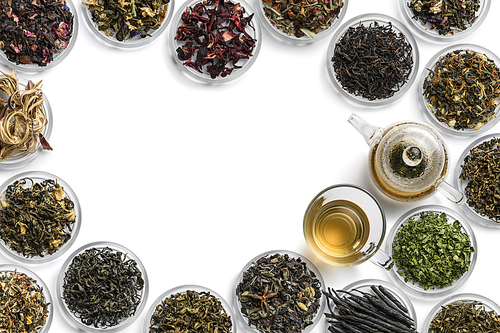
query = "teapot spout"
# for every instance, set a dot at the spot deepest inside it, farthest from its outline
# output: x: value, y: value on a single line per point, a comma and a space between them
x: 369, y: 132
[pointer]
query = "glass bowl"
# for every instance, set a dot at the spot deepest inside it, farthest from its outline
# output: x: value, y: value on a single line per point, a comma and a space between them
x: 183, y: 289
x: 460, y: 185
x: 415, y: 288
x: 282, y: 36
x: 204, y: 77
x: 57, y: 59
x: 19, y: 269
x: 130, y: 43
x: 425, y: 30
x: 37, y: 177
x: 26, y: 158
x: 366, y: 20
x: 364, y: 286
x: 489, y: 305
x: 431, y: 65
x: 72, y: 318
x: 292, y: 255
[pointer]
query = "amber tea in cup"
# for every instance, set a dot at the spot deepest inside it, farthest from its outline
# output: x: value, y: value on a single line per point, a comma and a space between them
x: 344, y: 225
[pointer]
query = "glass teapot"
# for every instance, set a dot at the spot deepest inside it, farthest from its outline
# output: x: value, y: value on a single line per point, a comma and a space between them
x: 408, y: 161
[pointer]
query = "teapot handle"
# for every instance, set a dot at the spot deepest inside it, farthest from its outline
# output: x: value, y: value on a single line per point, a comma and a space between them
x: 452, y: 193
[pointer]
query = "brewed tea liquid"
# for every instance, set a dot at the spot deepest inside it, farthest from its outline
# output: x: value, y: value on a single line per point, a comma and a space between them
x: 340, y: 230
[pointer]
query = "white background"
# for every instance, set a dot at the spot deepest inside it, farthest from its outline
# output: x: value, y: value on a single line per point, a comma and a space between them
x: 198, y: 179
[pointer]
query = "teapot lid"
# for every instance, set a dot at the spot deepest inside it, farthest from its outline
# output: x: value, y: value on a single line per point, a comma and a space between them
x: 411, y: 157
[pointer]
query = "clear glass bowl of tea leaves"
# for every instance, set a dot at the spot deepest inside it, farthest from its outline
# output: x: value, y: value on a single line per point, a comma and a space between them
x: 352, y: 308
x: 476, y: 176
x: 127, y: 24
x: 471, y: 313
x: 173, y: 311
x: 372, y: 60
x: 434, y: 251
x: 459, y: 89
x: 282, y: 285
x: 298, y: 22
x: 40, y: 217
x: 21, y: 147
x: 23, y: 294
x: 87, y: 287
x: 28, y: 20
x: 233, y: 46
x: 444, y: 21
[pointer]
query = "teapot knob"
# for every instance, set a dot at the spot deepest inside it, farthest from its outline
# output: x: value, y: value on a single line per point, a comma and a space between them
x: 412, y: 156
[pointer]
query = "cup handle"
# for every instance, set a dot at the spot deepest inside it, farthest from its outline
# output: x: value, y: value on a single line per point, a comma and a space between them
x: 452, y: 193
x: 382, y: 259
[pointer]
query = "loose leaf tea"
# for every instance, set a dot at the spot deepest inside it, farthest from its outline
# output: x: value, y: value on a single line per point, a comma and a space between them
x: 23, y: 306
x: 126, y: 19
x: 22, y: 118
x: 481, y: 171
x: 463, y: 88
x: 32, y: 32
x: 302, y: 18
x: 465, y: 316
x: 215, y: 32
x: 102, y: 287
x: 190, y: 311
x: 430, y: 251
x: 445, y: 16
x: 373, y: 61
x: 36, y: 218
x: 358, y: 311
x: 279, y: 294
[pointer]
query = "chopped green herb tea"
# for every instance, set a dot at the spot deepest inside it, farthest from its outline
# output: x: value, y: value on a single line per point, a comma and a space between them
x: 481, y: 171
x: 190, y: 311
x: 462, y: 90
x: 279, y: 294
x: 36, y: 219
x: 302, y: 18
x: 430, y: 251
x: 23, y: 306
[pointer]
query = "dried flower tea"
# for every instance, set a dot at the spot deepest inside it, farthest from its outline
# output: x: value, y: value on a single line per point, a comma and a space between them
x: 462, y: 89
x: 102, y: 287
x: 190, y: 311
x: 216, y: 37
x: 22, y: 118
x: 33, y: 31
x: 127, y: 19
x: 481, y: 171
x: 36, y: 219
x: 302, y: 18
x: 465, y: 316
x: 445, y: 16
x: 279, y: 294
x: 375, y: 311
x: 430, y: 251
x: 373, y: 62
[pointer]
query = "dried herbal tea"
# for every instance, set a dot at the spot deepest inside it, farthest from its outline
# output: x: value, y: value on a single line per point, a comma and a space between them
x: 463, y: 89
x: 190, y: 311
x: 23, y: 306
x: 102, y: 287
x: 465, y: 316
x: 125, y: 19
x: 481, y: 171
x: 36, y: 219
x: 279, y: 294
x: 372, y: 61
x: 375, y: 311
x: 33, y: 31
x: 216, y: 37
x: 430, y: 251
x: 22, y: 118
x: 302, y: 18
x: 445, y: 16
